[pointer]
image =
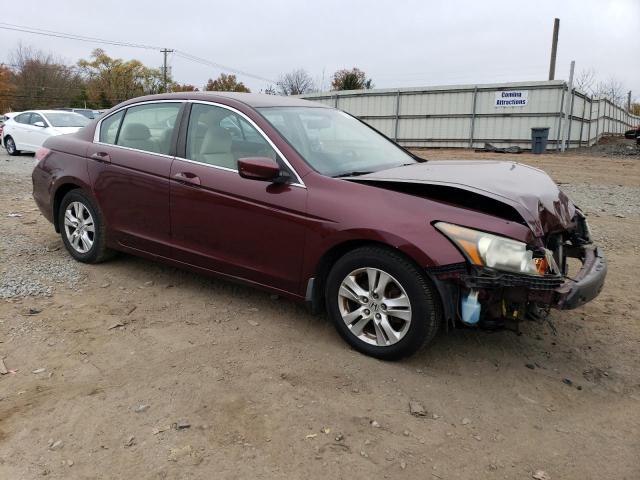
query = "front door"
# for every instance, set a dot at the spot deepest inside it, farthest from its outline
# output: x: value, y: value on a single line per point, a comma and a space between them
x: 248, y: 229
x: 130, y: 166
x: 37, y: 133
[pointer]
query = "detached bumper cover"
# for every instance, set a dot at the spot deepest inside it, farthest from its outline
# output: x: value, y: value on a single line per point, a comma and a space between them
x: 588, y: 282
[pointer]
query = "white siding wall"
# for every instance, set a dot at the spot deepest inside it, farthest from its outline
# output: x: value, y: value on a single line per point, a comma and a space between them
x: 445, y: 116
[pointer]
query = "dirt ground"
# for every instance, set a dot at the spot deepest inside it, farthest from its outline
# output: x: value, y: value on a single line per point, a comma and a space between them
x: 133, y: 370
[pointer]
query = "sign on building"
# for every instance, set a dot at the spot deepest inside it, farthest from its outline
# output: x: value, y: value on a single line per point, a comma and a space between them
x: 511, y: 98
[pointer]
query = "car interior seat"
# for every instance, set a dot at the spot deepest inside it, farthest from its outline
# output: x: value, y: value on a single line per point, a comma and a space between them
x: 216, y: 148
x: 138, y: 136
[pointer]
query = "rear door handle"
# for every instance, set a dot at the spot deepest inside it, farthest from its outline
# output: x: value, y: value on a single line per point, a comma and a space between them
x: 101, y: 157
x: 187, y: 177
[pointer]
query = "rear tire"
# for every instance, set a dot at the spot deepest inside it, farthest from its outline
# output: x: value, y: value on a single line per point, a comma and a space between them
x: 381, y: 303
x: 10, y: 146
x: 82, y: 228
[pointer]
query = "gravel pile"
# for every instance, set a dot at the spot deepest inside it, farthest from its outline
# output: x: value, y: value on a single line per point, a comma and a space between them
x: 610, y: 147
x: 613, y: 200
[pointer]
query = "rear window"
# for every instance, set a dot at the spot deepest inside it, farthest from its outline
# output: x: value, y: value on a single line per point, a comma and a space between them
x: 149, y: 127
x: 109, y: 128
x: 22, y: 118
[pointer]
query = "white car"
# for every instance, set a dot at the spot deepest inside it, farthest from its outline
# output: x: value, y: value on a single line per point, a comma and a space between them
x: 3, y: 120
x: 27, y: 131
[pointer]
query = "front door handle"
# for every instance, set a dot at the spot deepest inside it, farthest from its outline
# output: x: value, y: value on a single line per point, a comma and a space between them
x: 101, y: 157
x: 187, y: 177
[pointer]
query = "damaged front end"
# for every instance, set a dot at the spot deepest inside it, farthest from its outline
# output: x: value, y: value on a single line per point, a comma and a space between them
x: 506, y: 280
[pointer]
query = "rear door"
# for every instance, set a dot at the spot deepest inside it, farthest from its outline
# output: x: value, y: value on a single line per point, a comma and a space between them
x: 249, y: 229
x: 19, y: 130
x: 129, y: 164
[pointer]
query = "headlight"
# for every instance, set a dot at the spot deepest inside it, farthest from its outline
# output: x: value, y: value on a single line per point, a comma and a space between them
x: 487, y: 250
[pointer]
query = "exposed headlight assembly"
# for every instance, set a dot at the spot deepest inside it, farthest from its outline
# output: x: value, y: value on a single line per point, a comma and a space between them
x: 487, y: 250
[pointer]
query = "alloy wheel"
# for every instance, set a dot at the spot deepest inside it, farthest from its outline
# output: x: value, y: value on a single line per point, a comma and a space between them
x: 374, y: 306
x: 10, y: 146
x: 79, y: 227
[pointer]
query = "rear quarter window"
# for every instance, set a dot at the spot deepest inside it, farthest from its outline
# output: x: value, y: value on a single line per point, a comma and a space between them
x: 109, y: 128
x: 22, y: 118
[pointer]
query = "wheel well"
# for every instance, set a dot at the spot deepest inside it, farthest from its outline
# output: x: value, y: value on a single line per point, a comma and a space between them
x: 330, y: 257
x: 57, y: 200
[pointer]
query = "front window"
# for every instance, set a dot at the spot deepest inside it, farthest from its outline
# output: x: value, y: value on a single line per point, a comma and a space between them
x: 66, y: 119
x: 334, y: 143
x: 219, y: 137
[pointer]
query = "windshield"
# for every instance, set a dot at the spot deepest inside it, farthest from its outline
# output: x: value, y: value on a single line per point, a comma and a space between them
x: 334, y: 143
x: 87, y: 113
x: 67, y: 119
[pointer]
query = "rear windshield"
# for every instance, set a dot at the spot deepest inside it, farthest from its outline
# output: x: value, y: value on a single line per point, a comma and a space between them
x: 67, y: 119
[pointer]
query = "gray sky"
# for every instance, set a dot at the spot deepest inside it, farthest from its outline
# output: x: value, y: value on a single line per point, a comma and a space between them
x: 397, y: 43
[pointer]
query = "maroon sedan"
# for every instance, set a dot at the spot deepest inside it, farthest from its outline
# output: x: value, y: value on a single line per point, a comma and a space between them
x: 308, y: 202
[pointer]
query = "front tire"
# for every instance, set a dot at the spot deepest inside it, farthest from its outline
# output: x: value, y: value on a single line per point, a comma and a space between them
x: 381, y: 303
x: 82, y: 228
x: 10, y: 146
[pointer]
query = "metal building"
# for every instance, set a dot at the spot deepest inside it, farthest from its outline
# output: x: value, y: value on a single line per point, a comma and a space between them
x: 470, y: 115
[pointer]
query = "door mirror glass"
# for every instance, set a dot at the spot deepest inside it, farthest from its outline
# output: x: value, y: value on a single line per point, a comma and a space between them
x: 259, y: 168
x: 39, y: 124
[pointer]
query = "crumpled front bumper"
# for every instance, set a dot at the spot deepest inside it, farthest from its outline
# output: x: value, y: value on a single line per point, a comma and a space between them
x: 498, y: 287
x: 587, y: 284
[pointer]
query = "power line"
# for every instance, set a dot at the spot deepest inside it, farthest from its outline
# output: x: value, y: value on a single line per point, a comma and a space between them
x: 83, y: 38
x: 203, y: 61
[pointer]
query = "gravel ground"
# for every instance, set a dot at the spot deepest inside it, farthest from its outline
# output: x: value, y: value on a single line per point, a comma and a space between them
x: 616, y: 200
x: 148, y: 372
x: 23, y: 271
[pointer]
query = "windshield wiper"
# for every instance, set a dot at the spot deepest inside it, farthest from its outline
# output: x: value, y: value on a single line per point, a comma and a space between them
x: 351, y: 174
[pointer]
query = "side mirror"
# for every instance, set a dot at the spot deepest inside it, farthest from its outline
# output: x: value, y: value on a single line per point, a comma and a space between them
x: 39, y: 124
x: 259, y: 168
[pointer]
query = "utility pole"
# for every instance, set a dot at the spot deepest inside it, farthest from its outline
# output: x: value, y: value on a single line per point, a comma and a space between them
x: 165, y: 51
x: 629, y: 101
x: 554, y: 49
x: 568, y: 100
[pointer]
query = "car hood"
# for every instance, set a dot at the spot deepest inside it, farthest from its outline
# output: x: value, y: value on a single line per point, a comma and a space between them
x: 529, y: 191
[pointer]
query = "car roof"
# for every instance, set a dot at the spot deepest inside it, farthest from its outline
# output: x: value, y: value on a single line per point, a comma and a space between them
x: 255, y: 100
x: 47, y: 111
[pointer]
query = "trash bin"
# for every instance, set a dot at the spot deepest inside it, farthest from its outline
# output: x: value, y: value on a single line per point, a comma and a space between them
x: 539, y: 139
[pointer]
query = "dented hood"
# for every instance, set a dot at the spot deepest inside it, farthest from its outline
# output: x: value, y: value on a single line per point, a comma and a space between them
x: 530, y: 191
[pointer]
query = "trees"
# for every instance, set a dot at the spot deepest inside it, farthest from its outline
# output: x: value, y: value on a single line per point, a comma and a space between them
x: 354, y: 79
x: 113, y: 80
x: 226, y: 83
x: 296, y: 82
x: 585, y: 81
x: 41, y: 81
x: 270, y: 90
x: 611, y: 89
x: 184, y: 87
x: 7, y: 89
